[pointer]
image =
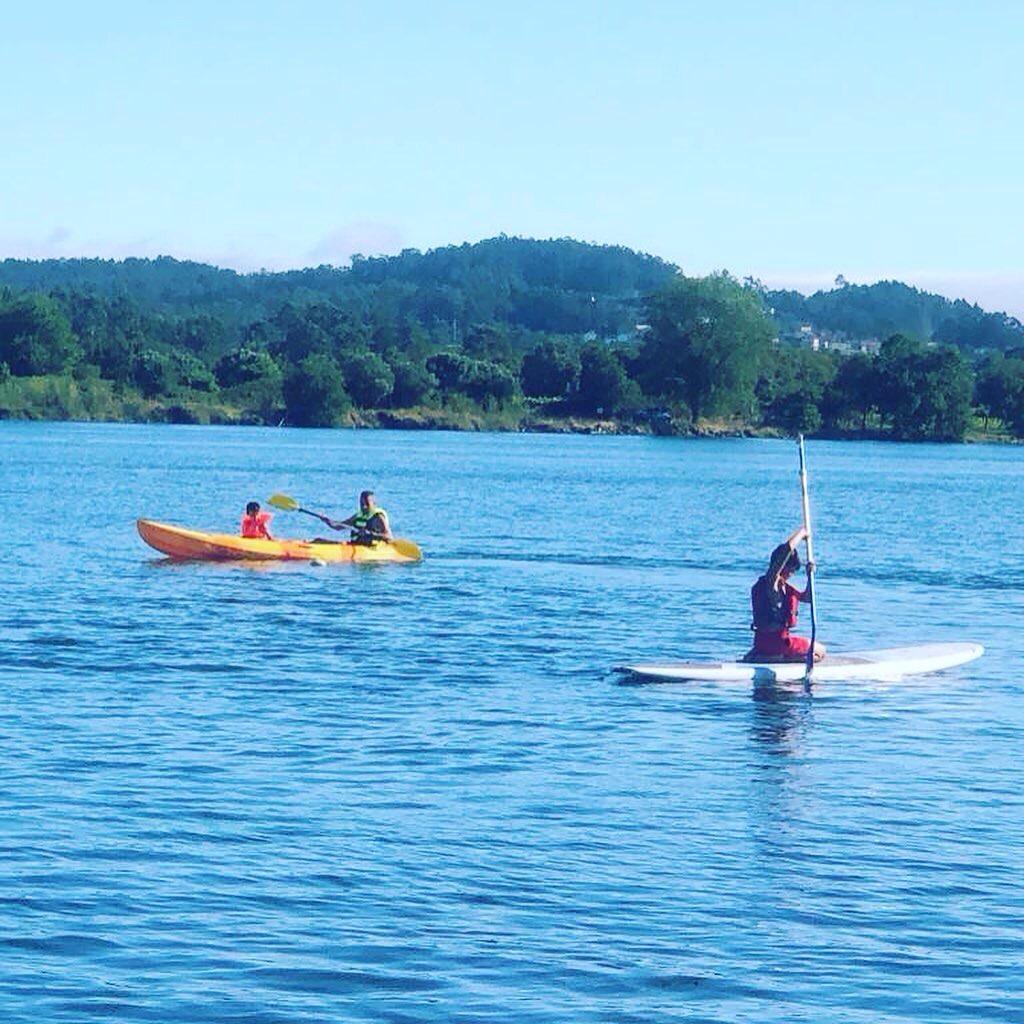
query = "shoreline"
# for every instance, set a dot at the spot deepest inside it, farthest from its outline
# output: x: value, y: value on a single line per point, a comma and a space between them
x: 430, y: 419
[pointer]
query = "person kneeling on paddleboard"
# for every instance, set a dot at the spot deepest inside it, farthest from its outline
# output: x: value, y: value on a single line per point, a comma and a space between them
x: 775, y: 602
x: 256, y: 524
x: 370, y: 523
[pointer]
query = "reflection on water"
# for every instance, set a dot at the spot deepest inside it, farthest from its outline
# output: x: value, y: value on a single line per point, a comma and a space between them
x: 782, y: 713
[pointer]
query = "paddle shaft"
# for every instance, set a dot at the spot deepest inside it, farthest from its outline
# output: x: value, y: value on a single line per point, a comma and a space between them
x: 315, y: 515
x: 809, y: 540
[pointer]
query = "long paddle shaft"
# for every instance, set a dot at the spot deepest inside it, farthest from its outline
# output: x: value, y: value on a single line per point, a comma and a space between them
x: 810, y: 556
x: 330, y: 522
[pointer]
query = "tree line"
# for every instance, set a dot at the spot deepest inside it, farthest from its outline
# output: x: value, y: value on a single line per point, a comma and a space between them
x: 559, y: 286
x: 646, y: 346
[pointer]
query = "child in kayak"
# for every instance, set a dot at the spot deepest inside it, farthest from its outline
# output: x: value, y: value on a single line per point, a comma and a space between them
x: 775, y: 603
x: 256, y: 524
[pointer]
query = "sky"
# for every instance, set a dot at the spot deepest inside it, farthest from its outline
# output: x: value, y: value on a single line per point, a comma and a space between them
x: 788, y: 141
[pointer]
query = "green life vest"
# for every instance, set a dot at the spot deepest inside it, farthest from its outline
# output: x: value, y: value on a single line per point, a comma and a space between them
x: 362, y: 519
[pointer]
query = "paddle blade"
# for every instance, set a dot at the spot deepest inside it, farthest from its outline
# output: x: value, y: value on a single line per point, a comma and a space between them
x: 406, y: 548
x: 289, y: 504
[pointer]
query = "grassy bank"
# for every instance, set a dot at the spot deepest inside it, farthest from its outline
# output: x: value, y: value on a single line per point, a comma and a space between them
x: 65, y: 397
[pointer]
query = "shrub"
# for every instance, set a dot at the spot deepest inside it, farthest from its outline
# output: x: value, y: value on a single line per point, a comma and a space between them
x: 314, y: 393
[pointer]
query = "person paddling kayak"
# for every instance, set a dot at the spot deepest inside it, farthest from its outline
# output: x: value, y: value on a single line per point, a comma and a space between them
x: 775, y: 603
x: 370, y: 523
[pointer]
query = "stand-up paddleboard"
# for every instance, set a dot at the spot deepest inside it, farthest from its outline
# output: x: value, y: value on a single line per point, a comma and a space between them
x: 888, y: 663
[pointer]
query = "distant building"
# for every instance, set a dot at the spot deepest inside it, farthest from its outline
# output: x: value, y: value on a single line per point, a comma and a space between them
x: 809, y: 338
x: 822, y: 340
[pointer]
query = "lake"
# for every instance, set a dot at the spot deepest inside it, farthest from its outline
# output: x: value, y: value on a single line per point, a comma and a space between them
x: 237, y: 793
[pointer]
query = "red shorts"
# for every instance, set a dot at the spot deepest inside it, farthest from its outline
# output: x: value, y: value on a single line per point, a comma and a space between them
x: 779, y: 647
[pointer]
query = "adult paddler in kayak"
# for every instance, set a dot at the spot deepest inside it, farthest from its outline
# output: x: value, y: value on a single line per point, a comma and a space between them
x: 369, y: 524
x: 775, y: 603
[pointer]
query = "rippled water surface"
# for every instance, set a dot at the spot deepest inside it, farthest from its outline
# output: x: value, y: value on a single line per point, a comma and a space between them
x: 414, y: 793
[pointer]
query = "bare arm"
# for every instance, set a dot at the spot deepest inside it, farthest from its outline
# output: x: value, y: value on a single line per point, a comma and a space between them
x: 796, y: 536
x: 790, y: 542
x: 339, y: 524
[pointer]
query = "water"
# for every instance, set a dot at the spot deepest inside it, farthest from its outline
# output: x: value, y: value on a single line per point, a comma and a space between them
x: 414, y: 793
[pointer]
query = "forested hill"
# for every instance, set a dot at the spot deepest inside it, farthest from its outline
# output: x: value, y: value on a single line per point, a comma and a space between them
x: 558, y: 286
x: 498, y: 332
x: 890, y: 307
x: 164, y: 283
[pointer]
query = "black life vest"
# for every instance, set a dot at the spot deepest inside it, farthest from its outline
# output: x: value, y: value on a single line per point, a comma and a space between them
x: 770, y: 607
x: 362, y: 520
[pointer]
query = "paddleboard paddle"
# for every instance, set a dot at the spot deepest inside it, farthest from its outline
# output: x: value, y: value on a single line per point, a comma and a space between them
x: 809, y: 540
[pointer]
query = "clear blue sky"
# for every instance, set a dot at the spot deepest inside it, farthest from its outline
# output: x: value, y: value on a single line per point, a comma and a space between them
x: 793, y: 141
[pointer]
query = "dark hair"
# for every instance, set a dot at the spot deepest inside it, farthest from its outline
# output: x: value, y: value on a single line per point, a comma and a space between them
x: 252, y: 508
x: 365, y: 495
x: 784, y: 559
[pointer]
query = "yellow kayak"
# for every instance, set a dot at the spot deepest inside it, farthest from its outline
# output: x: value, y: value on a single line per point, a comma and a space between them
x: 177, y: 542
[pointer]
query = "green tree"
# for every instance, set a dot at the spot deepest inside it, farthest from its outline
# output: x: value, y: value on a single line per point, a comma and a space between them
x: 706, y: 341
x: 368, y: 379
x: 925, y: 393
x: 253, y: 379
x: 320, y: 328
x: 795, y: 412
x: 854, y: 392
x: 314, y: 393
x: 603, y: 383
x: 244, y: 365
x: 480, y: 379
x: 413, y: 383
x: 449, y: 369
x: 490, y: 342
x: 490, y: 383
x: 202, y: 333
x: 192, y: 373
x: 154, y: 373
x: 792, y: 387
x: 549, y: 370
x: 988, y: 387
x: 35, y: 336
x: 999, y: 391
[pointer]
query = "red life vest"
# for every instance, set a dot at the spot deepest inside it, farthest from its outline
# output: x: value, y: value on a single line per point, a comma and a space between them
x: 256, y: 526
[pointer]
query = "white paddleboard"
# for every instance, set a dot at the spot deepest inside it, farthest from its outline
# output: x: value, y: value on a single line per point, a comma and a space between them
x: 889, y: 663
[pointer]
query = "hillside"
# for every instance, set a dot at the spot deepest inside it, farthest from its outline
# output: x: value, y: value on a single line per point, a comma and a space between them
x: 506, y: 332
x: 560, y: 286
x: 890, y: 307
